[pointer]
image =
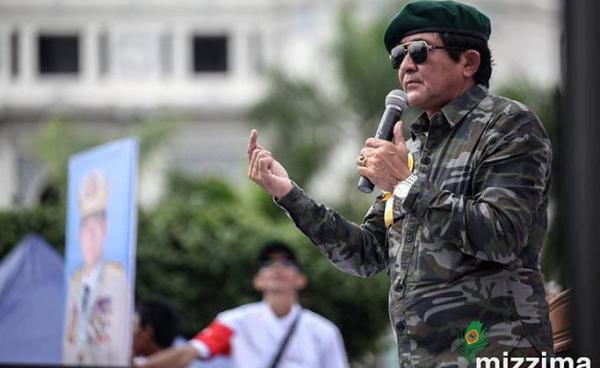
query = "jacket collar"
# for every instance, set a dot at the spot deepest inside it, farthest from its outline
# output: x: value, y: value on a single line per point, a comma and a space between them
x: 455, y: 111
x: 458, y: 108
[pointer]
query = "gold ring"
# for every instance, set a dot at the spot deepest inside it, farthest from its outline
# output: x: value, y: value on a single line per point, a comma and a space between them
x: 362, y: 160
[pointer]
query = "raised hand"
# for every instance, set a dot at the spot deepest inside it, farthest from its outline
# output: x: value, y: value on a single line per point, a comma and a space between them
x: 264, y: 170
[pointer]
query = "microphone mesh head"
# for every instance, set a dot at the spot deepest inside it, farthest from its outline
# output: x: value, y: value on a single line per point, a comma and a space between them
x: 397, y: 99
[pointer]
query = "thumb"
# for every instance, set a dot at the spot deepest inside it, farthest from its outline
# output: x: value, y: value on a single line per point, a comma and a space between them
x: 398, y: 136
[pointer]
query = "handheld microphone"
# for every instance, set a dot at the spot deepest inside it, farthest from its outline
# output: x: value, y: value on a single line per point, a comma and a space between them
x: 395, y: 103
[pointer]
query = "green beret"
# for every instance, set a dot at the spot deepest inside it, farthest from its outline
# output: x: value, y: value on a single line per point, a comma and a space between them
x: 436, y: 16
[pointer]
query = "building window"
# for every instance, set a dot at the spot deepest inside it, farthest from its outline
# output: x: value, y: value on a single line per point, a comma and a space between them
x: 209, y: 54
x: 58, y: 54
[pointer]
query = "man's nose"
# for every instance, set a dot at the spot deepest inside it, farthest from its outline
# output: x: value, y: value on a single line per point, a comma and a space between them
x: 406, y: 67
x: 407, y: 64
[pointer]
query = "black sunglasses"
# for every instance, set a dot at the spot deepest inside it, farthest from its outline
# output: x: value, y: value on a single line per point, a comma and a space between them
x: 417, y: 51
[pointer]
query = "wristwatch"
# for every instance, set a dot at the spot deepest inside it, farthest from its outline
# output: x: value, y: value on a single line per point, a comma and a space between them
x: 402, y: 188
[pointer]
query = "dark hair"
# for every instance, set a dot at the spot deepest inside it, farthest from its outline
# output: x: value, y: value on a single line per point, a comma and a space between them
x: 161, y: 315
x: 483, y: 74
x: 277, y: 246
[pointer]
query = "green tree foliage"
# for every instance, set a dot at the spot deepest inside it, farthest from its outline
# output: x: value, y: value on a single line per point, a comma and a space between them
x: 47, y: 221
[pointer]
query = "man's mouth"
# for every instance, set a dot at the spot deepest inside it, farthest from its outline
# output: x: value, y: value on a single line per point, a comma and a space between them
x: 411, y: 82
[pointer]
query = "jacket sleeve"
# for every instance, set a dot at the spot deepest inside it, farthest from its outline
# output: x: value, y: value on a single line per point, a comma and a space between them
x: 359, y: 250
x: 510, y: 185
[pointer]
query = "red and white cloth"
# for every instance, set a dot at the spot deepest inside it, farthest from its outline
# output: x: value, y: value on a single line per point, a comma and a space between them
x: 251, y: 335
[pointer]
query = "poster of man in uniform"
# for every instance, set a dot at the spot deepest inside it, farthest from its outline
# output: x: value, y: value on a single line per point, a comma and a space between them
x: 100, y: 255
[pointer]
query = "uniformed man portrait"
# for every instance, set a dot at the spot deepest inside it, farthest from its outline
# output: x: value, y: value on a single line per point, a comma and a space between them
x: 96, y: 324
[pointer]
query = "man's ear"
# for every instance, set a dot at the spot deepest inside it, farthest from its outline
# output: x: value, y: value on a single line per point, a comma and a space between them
x: 471, y: 60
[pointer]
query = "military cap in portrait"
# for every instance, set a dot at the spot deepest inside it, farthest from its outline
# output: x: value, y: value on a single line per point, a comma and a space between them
x: 93, y: 194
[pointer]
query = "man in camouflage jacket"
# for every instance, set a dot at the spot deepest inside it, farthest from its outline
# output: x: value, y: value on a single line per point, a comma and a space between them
x: 460, y: 231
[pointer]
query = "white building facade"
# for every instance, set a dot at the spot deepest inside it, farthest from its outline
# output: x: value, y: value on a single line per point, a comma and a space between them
x: 110, y: 63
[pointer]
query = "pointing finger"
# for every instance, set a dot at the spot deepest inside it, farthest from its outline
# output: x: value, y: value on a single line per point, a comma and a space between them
x: 252, y: 142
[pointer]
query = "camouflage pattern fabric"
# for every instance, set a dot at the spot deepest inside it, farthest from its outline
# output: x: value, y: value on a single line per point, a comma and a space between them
x: 465, y: 245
